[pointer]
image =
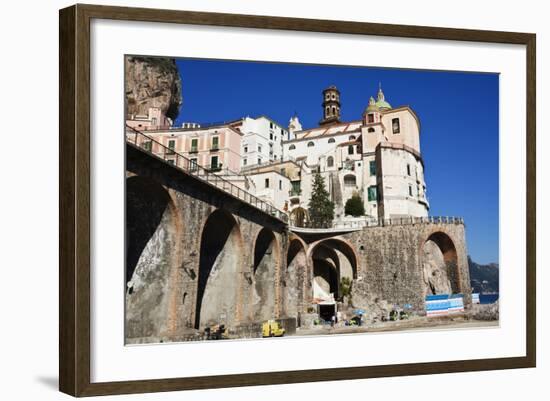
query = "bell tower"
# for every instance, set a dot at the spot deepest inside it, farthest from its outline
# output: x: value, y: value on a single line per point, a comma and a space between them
x: 331, y: 106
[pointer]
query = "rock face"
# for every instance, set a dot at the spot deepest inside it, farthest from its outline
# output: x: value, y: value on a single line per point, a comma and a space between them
x: 486, y: 312
x: 152, y: 82
x: 436, y: 277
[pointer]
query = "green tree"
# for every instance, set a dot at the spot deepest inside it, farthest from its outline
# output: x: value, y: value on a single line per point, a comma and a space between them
x: 354, y: 206
x: 345, y: 285
x: 321, y: 208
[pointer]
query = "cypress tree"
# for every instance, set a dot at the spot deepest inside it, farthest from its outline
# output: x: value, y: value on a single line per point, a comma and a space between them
x: 321, y: 208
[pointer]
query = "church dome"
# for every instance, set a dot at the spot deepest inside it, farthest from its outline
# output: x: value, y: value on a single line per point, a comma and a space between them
x: 381, y: 100
x: 372, y: 105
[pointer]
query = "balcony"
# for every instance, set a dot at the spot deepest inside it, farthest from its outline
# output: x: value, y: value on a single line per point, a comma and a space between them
x: 194, y: 149
x: 214, y: 148
x: 213, y: 167
x: 295, y: 192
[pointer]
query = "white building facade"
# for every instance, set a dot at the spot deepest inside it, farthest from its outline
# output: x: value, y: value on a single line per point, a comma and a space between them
x: 377, y: 157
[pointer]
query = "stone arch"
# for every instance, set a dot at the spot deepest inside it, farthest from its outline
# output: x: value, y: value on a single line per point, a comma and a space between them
x: 440, y: 264
x: 299, y: 217
x: 350, y: 180
x: 152, y: 231
x: 265, y: 268
x: 220, y: 261
x: 328, y: 257
x: 295, y: 277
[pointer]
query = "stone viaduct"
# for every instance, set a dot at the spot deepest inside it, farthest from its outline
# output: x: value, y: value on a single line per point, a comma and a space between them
x: 197, y: 255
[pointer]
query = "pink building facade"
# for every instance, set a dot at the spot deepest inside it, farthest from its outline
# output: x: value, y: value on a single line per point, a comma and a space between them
x: 214, y: 148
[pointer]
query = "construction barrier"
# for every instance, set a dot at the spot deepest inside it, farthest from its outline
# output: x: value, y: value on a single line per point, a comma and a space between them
x: 475, y: 298
x: 444, y: 304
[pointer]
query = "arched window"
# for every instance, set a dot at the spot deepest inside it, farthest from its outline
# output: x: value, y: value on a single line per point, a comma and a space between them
x: 350, y: 180
x: 351, y: 137
x: 331, y: 140
x: 330, y: 161
x: 292, y: 147
x: 334, y: 110
x: 371, y: 129
x: 310, y: 144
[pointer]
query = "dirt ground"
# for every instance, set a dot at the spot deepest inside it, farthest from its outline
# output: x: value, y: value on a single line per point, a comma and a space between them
x: 412, y: 324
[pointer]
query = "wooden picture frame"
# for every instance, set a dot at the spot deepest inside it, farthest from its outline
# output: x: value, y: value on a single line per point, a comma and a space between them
x: 74, y: 204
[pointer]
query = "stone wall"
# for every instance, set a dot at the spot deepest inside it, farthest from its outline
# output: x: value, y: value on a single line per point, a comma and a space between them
x: 177, y: 284
x: 392, y: 262
x: 197, y: 256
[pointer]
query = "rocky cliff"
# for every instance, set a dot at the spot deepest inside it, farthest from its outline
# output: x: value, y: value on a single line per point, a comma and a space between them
x: 152, y: 82
x: 484, y: 278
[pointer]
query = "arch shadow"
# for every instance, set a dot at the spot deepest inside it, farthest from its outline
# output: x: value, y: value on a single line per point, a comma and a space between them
x: 219, y: 263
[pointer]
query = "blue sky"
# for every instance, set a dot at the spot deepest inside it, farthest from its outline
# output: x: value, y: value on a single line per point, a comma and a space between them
x: 458, y: 114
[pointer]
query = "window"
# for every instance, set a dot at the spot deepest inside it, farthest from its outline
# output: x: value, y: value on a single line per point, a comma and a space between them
x: 330, y: 161
x: 331, y: 140
x: 372, y: 193
x: 260, y: 148
x: 372, y: 167
x: 410, y: 190
x: 148, y: 146
x: 334, y: 110
x: 351, y: 137
x: 267, y: 182
x: 154, y: 121
x: 280, y: 185
x: 194, y: 145
x: 370, y: 118
x: 244, y: 162
x: 214, y: 162
x: 310, y: 144
x: 271, y: 135
x: 350, y: 180
x: 292, y: 147
x: 259, y: 160
x: 395, y: 125
x: 409, y: 170
x: 215, y: 142
x: 170, y: 161
x: 246, y: 149
x: 350, y: 149
x: 295, y: 190
x: 172, y: 145
x: 193, y: 166
x: 271, y: 125
x: 371, y: 130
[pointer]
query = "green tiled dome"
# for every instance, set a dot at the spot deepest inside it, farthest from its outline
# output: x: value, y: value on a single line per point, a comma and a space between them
x: 381, y: 101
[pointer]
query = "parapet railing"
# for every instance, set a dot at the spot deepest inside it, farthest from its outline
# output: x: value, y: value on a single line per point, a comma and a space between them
x: 159, y: 150
x: 401, y: 221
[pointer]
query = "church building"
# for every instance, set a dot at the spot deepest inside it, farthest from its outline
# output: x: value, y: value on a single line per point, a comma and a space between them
x: 376, y: 157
